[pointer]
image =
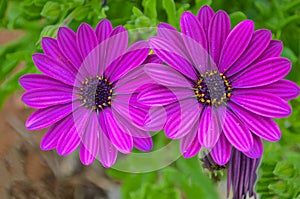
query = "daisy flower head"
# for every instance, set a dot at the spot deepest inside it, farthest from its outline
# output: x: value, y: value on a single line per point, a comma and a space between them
x: 85, y: 89
x: 228, y: 82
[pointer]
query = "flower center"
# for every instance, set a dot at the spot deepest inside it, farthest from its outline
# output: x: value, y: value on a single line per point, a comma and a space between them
x: 96, y: 93
x: 213, y: 89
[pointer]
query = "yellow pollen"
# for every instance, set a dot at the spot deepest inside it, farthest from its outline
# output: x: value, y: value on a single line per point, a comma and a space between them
x: 109, y: 102
x: 229, y: 94
x: 109, y: 97
x: 84, y: 101
x: 202, y: 100
x: 208, y: 101
x: 104, y: 104
x: 110, y: 90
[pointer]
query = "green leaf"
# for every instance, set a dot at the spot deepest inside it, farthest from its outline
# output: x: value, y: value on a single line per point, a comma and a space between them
x: 7, y: 67
x: 170, y: 8
x: 48, y: 31
x: 237, y: 17
x: 142, y: 21
x: 200, y: 3
x: 284, y: 170
x: 51, y: 10
x: 3, y: 6
x: 288, y: 53
x: 150, y: 9
x: 196, y: 184
x: 137, y: 12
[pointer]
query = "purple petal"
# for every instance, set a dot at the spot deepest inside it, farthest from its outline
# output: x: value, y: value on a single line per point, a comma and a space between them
x: 107, y: 152
x: 128, y: 114
x: 166, y: 76
x: 259, y: 42
x: 257, y: 150
x: 217, y: 33
x: 235, y: 44
x: 237, y: 133
x: 87, y: 42
x: 134, y: 57
x: 262, y: 103
x: 209, y: 128
x: 191, y: 27
x: 155, y: 119
x: 130, y: 82
x: 179, y: 123
x: 143, y: 144
x: 157, y: 95
x: 128, y: 126
x: 69, y: 139
x: 205, y: 14
x: 51, y: 48
x: 81, y: 118
x: 85, y: 156
x: 86, y: 39
x: 189, y: 144
x: 53, y: 68
x: 285, y: 89
x: 273, y: 50
x: 221, y: 151
x: 171, y: 54
x: 103, y: 30
x: 43, y: 118
x: 38, y: 81
x: 120, y: 139
x: 153, y: 58
x: 67, y: 43
x: 90, y: 137
x: 263, y: 127
x: 49, y: 141
x: 173, y: 37
x: 262, y: 73
x: 116, y: 45
x: 42, y: 98
x: 195, y: 41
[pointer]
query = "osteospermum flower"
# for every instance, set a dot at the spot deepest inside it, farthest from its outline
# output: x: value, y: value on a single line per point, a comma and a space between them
x: 84, y: 91
x: 228, y: 85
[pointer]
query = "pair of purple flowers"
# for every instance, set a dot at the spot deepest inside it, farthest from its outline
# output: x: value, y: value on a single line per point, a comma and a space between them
x: 218, y: 88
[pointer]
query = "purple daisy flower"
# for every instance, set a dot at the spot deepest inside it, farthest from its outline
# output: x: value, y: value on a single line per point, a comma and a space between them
x: 228, y: 83
x: 87, y: 83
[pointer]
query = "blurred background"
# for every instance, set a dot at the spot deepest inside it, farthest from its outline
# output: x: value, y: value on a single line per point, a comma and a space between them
x: 26, y: 172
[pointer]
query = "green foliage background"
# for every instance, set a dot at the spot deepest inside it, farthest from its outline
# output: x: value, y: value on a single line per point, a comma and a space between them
x: 279, y: 175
